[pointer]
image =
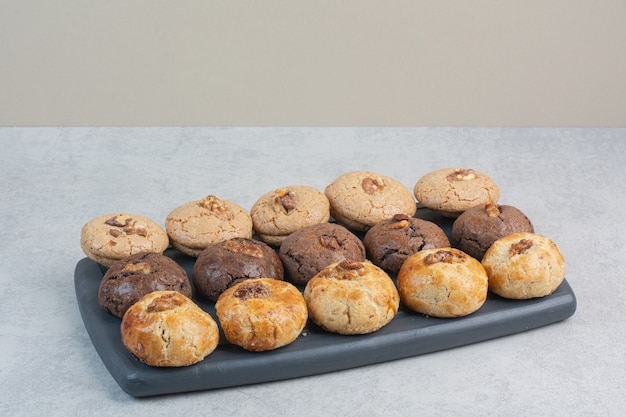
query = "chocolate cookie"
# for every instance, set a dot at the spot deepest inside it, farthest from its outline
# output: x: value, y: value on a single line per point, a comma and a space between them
x: 361, y: 199
x: 131, y: 278
x: 389, y: 243
x: 280, y: 212
x: 451, y: 191
x: 222, y: 265
x: 306, y: 252
x: 198, y: 224
x: 476, y: 229
x: 107, y: 239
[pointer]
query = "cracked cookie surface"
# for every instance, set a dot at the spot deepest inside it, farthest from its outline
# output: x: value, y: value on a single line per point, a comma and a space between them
x: 361, y: 199
x: 451, y: 191
x: 109, y: 238
x: 282, y: 211
x: 198, y: 224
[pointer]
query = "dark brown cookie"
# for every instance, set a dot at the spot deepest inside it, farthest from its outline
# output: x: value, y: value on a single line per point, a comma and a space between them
x: 131, y: 278
x: 306, y: 252
x: 220, y: 266
x: 476, y: 229
x: 389, y: 243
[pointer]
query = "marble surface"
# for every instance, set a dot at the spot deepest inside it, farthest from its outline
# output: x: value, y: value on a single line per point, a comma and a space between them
x: 570, y: 182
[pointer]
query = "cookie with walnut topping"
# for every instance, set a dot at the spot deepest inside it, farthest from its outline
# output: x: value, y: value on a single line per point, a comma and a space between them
x: 443, y: 282
x: 280, y: 212
x: 361, y: 199
x: 129, y: 279
x: 451, y: 191
x: 198, y: 224
x: 524, y: 265
x: 109, y: 238
x: 224, y: 264
x: 261, y: 314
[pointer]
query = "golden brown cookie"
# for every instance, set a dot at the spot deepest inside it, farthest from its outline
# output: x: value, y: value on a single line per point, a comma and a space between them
x: 361, y: 199
x: 277, y: 214
x: 165, y: 328
x: 107, y: 239
x: 444, y: 282
x: 351, y: 297
x: 261, y: 314
x: 524, y: 265
x: 195, y: 225
x: 451, y: 191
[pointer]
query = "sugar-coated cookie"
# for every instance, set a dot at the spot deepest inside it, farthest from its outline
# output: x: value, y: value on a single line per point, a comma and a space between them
x: 361, y: 199
x: 451, y: 191
x: 476, y: 229
x: 280, y: 212
x: 261, y: 314
x: 306, y: 252
x: 444, y: 282
x: 167, y: 329
x: 198, y: 224
x: 225, y: 263
x: 109, y: 238
x: 523, y: 266
x: 129, y: 279
x: 389, y: 243
x: 351, y: 297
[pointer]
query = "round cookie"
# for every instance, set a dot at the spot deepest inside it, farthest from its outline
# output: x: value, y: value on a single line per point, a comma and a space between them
x: 361, y: 199
x: 198, y: 224
x: 261, y: 314
x: 107, y: 239
x: 277, y: 214
x: 442, y: 283
x: 129, y: 279
x: 306, y: 252
x: 351, y: 297
x: 476, y: 229
x: 524, y: 265
x: 451, y: 191
x: 389, y: 243
x: 167, y: 329
x: 221, y: 265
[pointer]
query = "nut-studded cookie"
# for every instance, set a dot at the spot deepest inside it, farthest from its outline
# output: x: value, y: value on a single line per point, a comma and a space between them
x: 451, y: 191
x: 306, y: 252
x: 523, y: 266
x: 280, y: 212
x: 109, y: 238
x: 351, y: 297
x: 389, y: 243
x: 224, y: 264
x: 167, y: 329
x: 195, y: 225
x: 361, y: 199
x: 476, y: 229
x: 444, y: 282
x: 261, y: 314
x: 129, y: 279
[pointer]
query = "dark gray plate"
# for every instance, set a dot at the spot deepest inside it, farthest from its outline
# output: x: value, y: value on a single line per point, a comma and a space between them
x: 315, y: 351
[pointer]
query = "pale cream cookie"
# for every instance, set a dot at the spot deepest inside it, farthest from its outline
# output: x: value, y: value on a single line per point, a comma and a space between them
x: 109, y: 238
x: 194, y: 226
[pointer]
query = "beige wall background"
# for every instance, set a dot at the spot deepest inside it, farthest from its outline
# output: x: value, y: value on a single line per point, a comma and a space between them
x: 312, y: 63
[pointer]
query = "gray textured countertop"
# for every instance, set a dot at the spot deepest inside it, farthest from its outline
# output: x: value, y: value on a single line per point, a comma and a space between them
x: 570, y: 182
